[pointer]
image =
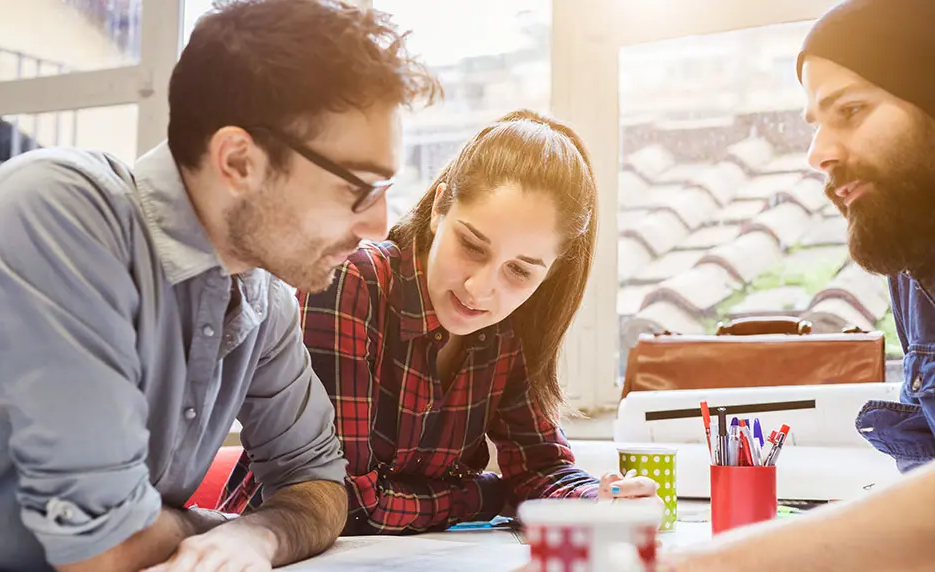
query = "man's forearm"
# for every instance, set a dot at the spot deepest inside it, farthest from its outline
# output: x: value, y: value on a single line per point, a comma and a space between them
x: 303, y: 519
x: 152, y: 545
x: 889, y: 530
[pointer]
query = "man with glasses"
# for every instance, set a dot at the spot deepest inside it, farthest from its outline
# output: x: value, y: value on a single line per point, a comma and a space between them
x: 143, y: 309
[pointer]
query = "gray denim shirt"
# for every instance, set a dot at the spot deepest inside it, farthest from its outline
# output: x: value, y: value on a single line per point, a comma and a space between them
x: 124, y: 359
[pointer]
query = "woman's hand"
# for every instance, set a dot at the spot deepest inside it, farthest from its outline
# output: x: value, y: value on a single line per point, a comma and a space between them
x: 613, y: 486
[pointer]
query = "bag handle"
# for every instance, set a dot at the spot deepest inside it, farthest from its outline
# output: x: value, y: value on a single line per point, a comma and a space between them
x: 764, y: 325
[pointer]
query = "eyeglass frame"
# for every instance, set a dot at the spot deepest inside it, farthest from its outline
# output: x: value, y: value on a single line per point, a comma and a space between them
x: 369, y: 193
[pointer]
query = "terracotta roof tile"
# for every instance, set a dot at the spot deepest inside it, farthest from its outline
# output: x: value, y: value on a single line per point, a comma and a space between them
x: 819, y: 262
x: 631, y: 190
x: 669, y: 265
x: 698, y: 290
x: 682, y: 173
x: 747, y: 257
x: 741, y: 211
x: 753, y: 154
x: 652, y: 196
x: 789, y: 300
x: 660, y: 231
x: 788, y: 163
x: 630, y: 218
x: 693, y: 206
x: 656, y: 318
x: 721, y: 180
x: 825, y: 231
x: 630, y: 299
x: 865, y: 292
x: 834, y: 314
x: 786, y: 222
x: 650, y: 162
x: 711, y: 237
x: 807, y: 193
x: 765, y: 186
x: 632, y: 257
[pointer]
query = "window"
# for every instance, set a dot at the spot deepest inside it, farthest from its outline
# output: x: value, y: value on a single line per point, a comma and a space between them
x: 56, y: 37
x: 86, y: 72
x: 491, y: 57
x: 192, y: 10
x: 719, y: 215
x: 112, y: 129
x: 50, y: 37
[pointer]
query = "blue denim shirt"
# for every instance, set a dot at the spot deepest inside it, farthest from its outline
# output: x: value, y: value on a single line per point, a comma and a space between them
x: 906, y: 430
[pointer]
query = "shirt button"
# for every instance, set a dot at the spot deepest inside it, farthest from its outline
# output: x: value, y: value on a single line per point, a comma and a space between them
x: 482, y: 337
x: 190, y: 413
x: 208, y: 331
x: 428, y: 406
x: 438, y: 336
x: 917, y: 383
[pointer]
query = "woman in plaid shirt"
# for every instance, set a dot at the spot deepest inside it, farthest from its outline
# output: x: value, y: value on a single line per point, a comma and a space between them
x: 448, y: 334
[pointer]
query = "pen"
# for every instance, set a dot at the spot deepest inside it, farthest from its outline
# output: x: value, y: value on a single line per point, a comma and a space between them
x: 722, y: 435
x: 733, y: 455
x: 774, y: 452
x: 746, y: 446
x: 706, y: 416
x: 757, y: 441
x: 771, y: 441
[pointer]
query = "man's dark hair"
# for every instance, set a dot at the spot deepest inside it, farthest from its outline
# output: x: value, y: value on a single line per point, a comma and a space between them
x: 280, y: 64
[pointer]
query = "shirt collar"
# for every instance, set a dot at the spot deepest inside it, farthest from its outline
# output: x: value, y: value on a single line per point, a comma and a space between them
x: 417, y: 316
x: 179, y: 238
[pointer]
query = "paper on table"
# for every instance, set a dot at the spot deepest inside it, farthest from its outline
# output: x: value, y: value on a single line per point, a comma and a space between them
x: 414, y: 554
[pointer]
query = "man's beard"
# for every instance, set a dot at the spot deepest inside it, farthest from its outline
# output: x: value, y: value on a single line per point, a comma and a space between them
x: 263, y: 233
x: 891, y: 226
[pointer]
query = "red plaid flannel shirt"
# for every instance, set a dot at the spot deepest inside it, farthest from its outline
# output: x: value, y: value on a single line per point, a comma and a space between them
x: 417, y: 452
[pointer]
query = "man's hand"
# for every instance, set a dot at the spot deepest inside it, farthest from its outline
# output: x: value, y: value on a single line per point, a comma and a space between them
x: 296, y: 523
x: 237, y: 546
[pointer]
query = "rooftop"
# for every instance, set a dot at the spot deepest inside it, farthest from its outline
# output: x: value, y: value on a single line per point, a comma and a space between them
x: 748, y: 234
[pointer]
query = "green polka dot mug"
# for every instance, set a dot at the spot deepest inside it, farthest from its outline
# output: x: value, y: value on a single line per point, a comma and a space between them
x: 657, y: 463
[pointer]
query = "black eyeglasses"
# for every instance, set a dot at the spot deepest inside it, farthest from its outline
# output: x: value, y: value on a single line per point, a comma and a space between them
x: 367, y: 193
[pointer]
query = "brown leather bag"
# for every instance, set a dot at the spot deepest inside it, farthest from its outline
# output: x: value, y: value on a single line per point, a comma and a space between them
x: 753, y: 352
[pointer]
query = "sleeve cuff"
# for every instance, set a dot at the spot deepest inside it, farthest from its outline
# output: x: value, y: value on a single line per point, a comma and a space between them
x: 69, y: 534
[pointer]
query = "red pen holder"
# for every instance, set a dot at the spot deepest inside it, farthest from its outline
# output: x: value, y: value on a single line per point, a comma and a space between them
x: 741, y: 496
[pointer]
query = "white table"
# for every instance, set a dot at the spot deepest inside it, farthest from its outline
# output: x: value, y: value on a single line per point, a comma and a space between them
x: 486, y: 550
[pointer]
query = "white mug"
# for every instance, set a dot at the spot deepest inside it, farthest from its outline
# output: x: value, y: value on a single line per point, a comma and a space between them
x: 585, y: 535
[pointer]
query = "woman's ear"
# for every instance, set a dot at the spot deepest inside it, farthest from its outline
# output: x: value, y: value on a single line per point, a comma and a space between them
x: 440, y: 191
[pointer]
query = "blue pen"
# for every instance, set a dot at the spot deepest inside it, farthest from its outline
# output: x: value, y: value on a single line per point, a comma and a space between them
x: 758, y: 432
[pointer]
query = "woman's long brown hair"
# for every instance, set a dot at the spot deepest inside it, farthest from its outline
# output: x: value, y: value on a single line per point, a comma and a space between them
x: 541, y: 155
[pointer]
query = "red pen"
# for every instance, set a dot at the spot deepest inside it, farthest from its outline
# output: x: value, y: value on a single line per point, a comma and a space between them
x: 706, y: 416
x: 777, y: 446
x: 771, y: 443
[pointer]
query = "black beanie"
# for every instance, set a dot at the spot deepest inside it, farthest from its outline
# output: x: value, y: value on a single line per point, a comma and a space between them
x: 890, y: 43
